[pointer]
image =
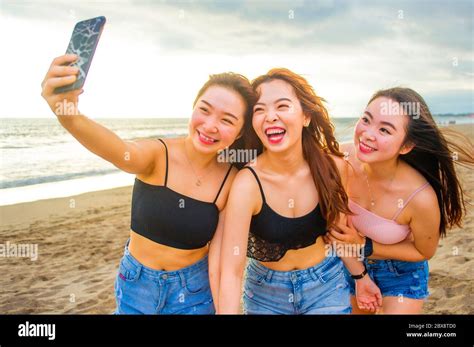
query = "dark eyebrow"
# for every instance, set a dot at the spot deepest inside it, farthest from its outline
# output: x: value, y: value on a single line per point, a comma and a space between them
x: 385, y: 123
x: 282, y: 99
x: 208, y: 104
x: 389, y: 124
x: 276, y: 102
x: 226, y: 113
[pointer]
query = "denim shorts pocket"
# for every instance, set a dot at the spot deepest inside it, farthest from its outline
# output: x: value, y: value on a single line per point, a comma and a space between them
x: 197, y: 282
x: 405, y: 267
x: 332, y: 272
x: 128, y: 271
x: 254, y: 277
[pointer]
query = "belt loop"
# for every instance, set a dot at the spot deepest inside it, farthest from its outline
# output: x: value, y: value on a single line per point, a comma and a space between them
x: 182, y: 278
x: 268, y: 275
x: 390, y: 265
x: 313, y: 274
x: 126, y: 246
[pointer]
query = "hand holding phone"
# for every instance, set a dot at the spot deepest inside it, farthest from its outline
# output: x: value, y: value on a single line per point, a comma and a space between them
x: 84, y: 40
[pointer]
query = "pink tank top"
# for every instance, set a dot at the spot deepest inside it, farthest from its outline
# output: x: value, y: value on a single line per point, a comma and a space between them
x: 379, y: 229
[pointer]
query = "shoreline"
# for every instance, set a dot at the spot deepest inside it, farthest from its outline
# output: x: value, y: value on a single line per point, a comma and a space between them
x: 71, y: 187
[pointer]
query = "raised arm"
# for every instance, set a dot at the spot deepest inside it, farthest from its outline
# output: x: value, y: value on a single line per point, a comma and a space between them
x: 137, y: 157
x: 241, y: 205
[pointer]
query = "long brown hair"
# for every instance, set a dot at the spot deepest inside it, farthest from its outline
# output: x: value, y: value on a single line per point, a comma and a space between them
x: 318, y: 143
x: 241, y: 85
x: 434, y: 155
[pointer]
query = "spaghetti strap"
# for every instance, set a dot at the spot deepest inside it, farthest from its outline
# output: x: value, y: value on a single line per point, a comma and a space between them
x: 166, y: 150
x: 223, y: 182
x: 258, y: 181
x: 412, y: 195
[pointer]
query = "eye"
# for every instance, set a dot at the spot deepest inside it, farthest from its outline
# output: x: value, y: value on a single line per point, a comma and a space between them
x: 384, y: 130
x: 365, y: 120
x: 283, y: 107
x: 205, y: 110
x: 228, y: 121
x: 257, y: 109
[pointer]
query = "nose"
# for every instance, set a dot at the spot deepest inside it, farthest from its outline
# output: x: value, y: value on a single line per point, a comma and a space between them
x: 368, y: 135
x: 210, y: 126
x: 271, y: 116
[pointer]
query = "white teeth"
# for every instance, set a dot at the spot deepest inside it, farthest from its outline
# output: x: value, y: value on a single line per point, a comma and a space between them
x: 274, y: 131
x: 366, y: 146
x: 207, y: 138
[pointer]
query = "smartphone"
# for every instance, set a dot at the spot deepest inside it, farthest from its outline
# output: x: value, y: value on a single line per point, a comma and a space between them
x: 84, y: 40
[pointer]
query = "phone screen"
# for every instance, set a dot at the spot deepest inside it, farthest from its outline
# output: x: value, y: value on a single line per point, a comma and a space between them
x: 83, y: 43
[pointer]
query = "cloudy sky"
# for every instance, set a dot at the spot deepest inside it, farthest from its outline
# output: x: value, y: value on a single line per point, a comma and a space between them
x: 154, y: 55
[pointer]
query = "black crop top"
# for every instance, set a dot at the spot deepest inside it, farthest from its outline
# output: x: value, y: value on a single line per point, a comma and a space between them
x: 272, y: 234
x: 170, y: 218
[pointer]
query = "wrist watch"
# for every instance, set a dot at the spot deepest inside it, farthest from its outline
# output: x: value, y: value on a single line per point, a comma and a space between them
x: 358, y: 277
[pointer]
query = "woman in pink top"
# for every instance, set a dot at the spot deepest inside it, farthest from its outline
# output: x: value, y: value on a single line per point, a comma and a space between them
x: 404, y: 194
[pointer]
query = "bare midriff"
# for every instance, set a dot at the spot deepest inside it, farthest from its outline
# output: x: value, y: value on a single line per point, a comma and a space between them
x: 299, y: 259
x: 160, y: 257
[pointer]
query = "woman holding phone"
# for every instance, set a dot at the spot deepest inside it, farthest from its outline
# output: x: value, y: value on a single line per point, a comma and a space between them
x: 179, y: 195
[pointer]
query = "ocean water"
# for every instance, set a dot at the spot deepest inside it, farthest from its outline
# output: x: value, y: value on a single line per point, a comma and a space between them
x: 40, y: 160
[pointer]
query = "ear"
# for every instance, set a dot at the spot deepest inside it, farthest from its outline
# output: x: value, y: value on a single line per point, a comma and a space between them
x: 406, y: 148
x: 306, y: 121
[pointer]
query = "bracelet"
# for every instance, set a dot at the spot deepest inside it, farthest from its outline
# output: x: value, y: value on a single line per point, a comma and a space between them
x: 358, y: 277
x: 368, y: 247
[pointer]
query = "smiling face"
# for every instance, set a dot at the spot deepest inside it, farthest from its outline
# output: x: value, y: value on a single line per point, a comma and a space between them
x: 217, y: 119
x: 278, y: 116
x: 380, y: 132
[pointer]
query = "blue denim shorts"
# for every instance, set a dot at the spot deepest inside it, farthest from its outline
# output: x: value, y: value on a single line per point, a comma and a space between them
x: 397, y: 278
x: 322, y: 289
x: 142, y: 290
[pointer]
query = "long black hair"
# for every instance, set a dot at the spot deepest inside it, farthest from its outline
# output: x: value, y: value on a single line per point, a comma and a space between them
x: 434, y: 155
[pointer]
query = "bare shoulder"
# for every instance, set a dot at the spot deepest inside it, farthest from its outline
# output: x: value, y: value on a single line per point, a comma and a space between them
x: 244, y: 182
x: 423, y: 209
x: 230, y: 172
x: 241, y: 191
x: 171, y: 143
x: 154, y: 150
x: 222, y: 200
x: 343, y: 166
x: 424, y: 200
x: 149, y: 144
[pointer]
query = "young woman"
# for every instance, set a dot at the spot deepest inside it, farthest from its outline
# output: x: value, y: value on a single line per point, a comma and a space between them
x: 279, y: 208
x: 404, y: 192
x: 179, y: 194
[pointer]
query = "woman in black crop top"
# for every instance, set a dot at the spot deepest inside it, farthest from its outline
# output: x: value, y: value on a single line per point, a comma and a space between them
x: 180, y: 191
x: 278, y: 209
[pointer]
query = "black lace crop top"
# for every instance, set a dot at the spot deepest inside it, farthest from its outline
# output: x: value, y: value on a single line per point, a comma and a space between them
x: 271, y: 235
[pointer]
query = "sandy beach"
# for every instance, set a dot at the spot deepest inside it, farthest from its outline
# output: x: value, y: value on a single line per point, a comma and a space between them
x: 80, y: 242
